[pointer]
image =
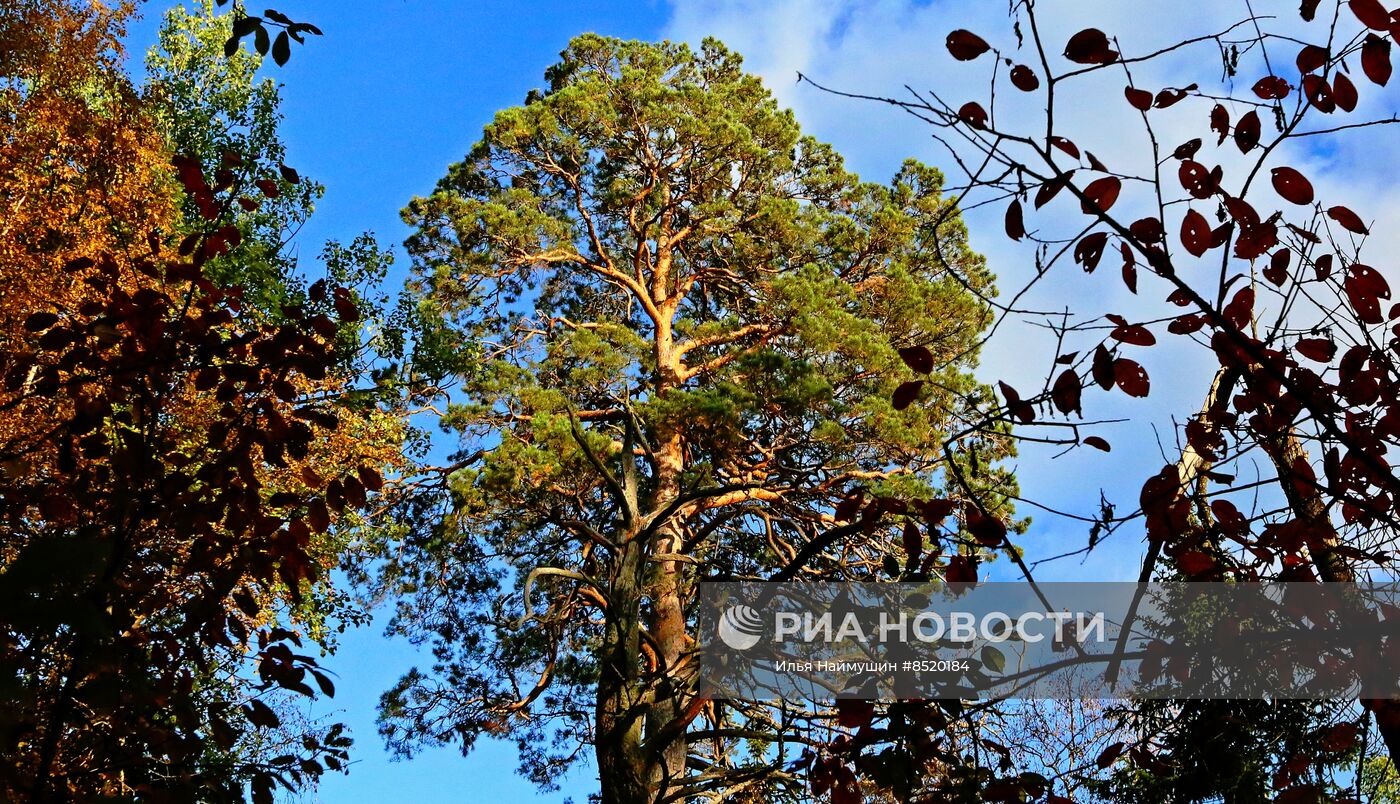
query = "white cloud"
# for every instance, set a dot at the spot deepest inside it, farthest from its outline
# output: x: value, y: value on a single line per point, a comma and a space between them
x: 879, y: 47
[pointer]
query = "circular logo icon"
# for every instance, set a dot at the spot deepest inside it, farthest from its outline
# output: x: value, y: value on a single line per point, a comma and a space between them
x: 740, y: 627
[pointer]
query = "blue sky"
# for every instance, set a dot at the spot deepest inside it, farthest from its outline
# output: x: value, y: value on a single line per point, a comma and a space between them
x: 395, y: 91
x: 376, y: 110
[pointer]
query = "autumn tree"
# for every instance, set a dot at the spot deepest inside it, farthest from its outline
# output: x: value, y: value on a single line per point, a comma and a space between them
x: 172, y: 457
x: 1259, y: 268
x: 692, y: 319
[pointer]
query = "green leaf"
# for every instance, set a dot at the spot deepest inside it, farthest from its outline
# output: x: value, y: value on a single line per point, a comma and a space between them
x: 993, y: 659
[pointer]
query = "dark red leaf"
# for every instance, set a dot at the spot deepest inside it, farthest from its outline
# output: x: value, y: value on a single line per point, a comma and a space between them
x: 1371, y: 14
x: 1066, y: 392
x: 1195, y: 233
x: 1293, y: 186
x: 1135, y: 334
x: 1375, y: 59
x: 1195, y: 179
x: 1129, y: 267
x: 1322, y: 266
x: 1277, y: 269
x: 1051, y: 188
x: 973, y: 114
x: 966, y: 45
x: 1090, y: 46
x: 1089, y: 250
x: 1272, y: 87
x: 906, y: 393
x: 1015, y: 221
x: 1131, y: 377
x: 854, y: 713
x: 1186, y: 324
x: 1365, y: 287
x: 913, y: 542
x: 961, y: 569
x: 1169, y: 97
x: 289, y: 175
x: 1140, y: 99
x: 917, y: 358
x: 1109, y: 754
x: 1195, y: 562
x: 1014, y: 404
x: 987, y: 530
x: 1102, y: 368
x: 1308, y: 9
x: 1100, y: 195
x: 1220, y: 122
x: 268, y: 187
x: 1348, y: 220
x: 1148, y: 230
x: 1240, y: 310
x: 1098, y: 443
x: 847, y: 509
x: 1344, y: 92
x: 1241, y: 211
x: 1319, y: 94
x: 1310, y: 58
x: 1320, y: 349
x: 1247, y: 132
x: 1066, y: 146
x: 1024, y: 78
x: 1187, y: 149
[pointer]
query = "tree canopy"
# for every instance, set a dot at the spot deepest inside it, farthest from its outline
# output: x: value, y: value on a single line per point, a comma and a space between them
x: 691, y: 317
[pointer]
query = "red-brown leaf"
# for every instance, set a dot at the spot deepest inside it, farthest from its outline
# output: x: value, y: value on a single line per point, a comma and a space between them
x: 1066, y: 146
x: 1365, y: 287
x: 1015, y: 221
x: 1102, y: 367
x: 1135, y: 334
x: 1100, y: 194
x: 966, y: 45
x: 1140, y: 99
x: 1195, y: 562
x: 1348, y: 220
x: 1089, y: 250
x: 1047, y: 191
x: 1131, y: 377
x: 1024, y: 78
x: 1310, y: 58
x: 917, y: 358
x: 1272, y: 87
x: 1277, y: 269
x: 1090, y: 46
x: 906, y: 393
x: 1148, y: 230
x: 1322, y: 266
x: 1375, y: 59
x: 1344, y: 92
x: 1187, y: 149
x: 1293, y: 186
x: 1098, y: 443
x: 1220, y: 122
x: 973, y: 114
x: 1247, y: 132
x: 1066, y: 392
x: 1195, y: 233
x: 1320, y: 349
x: 1371, y: 14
